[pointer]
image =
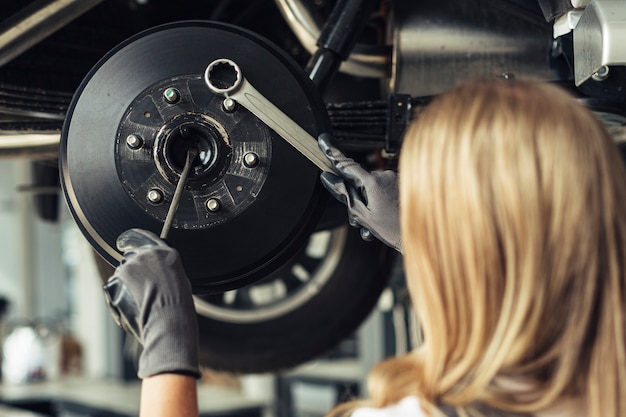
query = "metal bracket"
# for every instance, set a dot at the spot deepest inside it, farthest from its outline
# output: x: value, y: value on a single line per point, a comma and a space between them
x: 599, y: 37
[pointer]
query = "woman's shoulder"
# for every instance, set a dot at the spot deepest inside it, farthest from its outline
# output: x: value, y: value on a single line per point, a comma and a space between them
x: 407, y: 407
x: 411, y: 407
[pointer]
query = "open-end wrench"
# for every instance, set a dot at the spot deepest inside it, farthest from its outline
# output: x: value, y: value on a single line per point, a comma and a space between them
x: 223, y: 76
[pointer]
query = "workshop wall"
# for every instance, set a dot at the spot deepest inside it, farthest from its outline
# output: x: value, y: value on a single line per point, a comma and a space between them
x: 47, y: 271
x: 15, y: 274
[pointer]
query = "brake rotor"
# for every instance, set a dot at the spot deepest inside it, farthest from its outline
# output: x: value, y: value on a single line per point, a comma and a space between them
x: 251, y: 199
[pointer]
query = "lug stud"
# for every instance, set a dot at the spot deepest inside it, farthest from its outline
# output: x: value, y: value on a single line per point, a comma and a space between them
x: 155, y: 196
x: 251, y: 160
x: 171, y: 95
x: 229, y: 105
x: 213, y: 205
x: 134, y: 142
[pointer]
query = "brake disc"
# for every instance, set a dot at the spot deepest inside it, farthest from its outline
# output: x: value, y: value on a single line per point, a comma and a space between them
x: 251, y: 199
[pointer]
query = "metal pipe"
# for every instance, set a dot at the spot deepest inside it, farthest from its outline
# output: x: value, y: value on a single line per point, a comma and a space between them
x: 29, y: 146
x: 337, y: 39
x: 361, y: 62
x: 301, y: 21
x: 35, y: 22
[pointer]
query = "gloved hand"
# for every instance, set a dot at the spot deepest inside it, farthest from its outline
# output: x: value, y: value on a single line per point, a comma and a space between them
x: 149, y: 296
x: 371, y: 197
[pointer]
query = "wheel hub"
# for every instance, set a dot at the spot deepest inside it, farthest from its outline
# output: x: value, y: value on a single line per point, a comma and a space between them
x: 166, y: 130
x: 251, y: 199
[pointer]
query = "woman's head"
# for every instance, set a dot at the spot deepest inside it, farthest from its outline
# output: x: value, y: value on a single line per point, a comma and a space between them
x: 511, y: 199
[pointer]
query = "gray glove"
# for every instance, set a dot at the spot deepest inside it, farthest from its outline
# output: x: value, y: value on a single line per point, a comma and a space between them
x: 371, y: 197
x: 149, y: 296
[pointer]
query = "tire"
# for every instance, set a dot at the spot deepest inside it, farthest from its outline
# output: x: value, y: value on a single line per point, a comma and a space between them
x: 276, y: 324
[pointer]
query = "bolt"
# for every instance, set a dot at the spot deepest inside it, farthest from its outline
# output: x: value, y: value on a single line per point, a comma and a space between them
x: 213, y: 205
x: 251, y: 160
x: 229, y: 104
x: 133, y: 141
x: 155, y: 196
x: 601, y: 74
x: 171, y: 95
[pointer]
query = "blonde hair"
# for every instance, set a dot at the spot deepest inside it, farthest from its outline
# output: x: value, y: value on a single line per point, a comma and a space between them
x: 512, y: 200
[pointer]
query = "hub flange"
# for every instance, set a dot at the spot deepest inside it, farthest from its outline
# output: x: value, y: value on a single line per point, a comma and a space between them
x: 168, y: 129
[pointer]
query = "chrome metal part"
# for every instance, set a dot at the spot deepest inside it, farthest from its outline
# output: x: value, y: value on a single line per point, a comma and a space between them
x: 301, y: 21
x: 601, y: 74
x: 440, y: 44
x: 171, y: 95
x: 133, y: 141
x: 224, y: 77
x: 31, y: 145
x: 598, y: 38
x: 213, y: 205
x: 155, y: 196
x: 251, y: 159
x: 171, y: 212
x: 363, y: 61
x: 35, y: 22
x: 229, y: 104
x: 566, y: 23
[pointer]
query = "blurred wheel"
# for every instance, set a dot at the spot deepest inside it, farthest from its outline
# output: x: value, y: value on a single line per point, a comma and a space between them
x: 296, y: 314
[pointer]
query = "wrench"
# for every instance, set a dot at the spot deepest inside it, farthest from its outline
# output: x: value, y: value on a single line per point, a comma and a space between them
x: 224, y: 77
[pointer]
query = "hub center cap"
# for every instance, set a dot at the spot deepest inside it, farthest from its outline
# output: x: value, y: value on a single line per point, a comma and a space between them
x: 197, y: 131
